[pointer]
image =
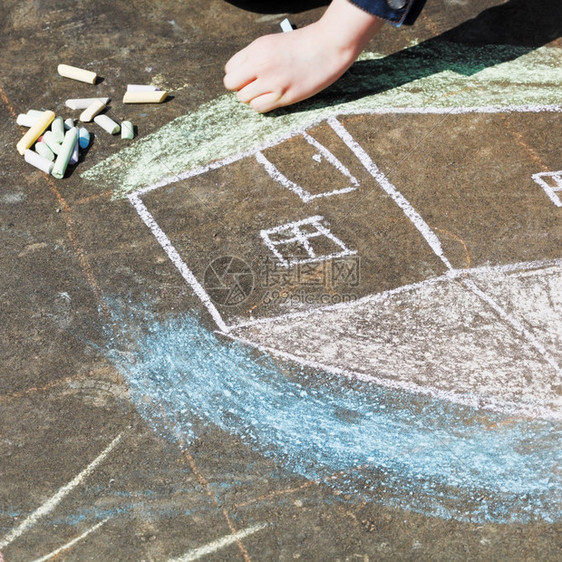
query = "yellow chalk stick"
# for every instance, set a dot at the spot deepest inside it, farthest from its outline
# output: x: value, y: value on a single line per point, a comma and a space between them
x: 35, y: 131
x: 77, y: 73
x: 91, y: 111
x: 144, y: 97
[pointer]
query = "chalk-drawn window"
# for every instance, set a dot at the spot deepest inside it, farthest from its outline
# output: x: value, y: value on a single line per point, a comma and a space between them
x: 334, y: 171
x: 551, y: 182
x: 304, y: 241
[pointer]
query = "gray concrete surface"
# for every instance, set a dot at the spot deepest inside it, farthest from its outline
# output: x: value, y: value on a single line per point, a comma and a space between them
x: 153, y: 407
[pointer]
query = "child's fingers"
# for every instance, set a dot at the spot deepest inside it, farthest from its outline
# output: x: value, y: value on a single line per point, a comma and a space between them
x: 235, y: 61
x: 266, y: 102
x: 238, y: 77
x: 252, y: 90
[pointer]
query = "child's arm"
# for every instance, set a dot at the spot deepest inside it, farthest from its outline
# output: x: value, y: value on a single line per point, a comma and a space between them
x: 284, y: 68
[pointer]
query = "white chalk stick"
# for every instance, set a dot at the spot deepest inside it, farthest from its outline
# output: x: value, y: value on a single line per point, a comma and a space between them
x: 66, y: 150
x: 68, y: 123
x: 286, y: 25
x: 127, y: 130
x: 35, y: 131
x: 83, y: 103
x: 145, y: 97
x: 50, y: 140
x: 91, y: 111
x: 83, y: 137
x: 43, y: 149
x: 25, y: 120
x: 57, y: 127
x: 77, y: 73
x: 107, y: 124
x: 142, y: 88
x: 31, y: 157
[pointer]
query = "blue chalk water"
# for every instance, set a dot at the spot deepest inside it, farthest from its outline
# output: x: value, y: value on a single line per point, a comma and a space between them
x: 396, y: 448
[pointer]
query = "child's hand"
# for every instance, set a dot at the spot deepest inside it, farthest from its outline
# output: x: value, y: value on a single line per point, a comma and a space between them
x: 281, y: 69
x: 284, y: 68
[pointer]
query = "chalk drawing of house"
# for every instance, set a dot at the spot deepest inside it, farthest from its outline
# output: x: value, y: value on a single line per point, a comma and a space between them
x: 455, y: 292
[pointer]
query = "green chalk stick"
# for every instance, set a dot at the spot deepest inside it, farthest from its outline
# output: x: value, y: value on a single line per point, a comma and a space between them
x: 43, y: 149
x: 57, y: 127
x: 127, y: 130
x: 66, y: 149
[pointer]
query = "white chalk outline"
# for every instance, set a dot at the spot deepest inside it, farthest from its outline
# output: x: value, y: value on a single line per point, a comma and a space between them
x: 53, y: 501
x: 72, y: 542
x: 302, y: 239
x: 548, y: 189
x: 423, y: 228
x: 305, y: 195
x: 197, y: 553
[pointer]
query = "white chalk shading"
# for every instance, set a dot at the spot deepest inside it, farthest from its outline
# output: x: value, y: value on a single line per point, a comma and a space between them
x: 550, y: 190
x: 473, y: 400
x: 53, y: 501
x: 292, y: 233
x: 486, y: 338
x: 70, y: 544
x: 198, y: 553
x: 390, y: 189
x: 305, y: 195
x: 517, y: 326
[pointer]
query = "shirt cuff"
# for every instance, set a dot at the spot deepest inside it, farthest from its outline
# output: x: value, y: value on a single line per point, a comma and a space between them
x: 395, y: 12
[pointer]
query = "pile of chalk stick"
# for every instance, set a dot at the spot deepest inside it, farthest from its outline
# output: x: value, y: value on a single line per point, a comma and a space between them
x: 52, y: 143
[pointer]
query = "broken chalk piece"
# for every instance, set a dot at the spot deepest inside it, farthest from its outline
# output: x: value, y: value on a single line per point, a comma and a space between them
x: 107, y: 124
x: 286, y: 25
x: 127, y: 130
x: 66, y: 150
x: 57, y: 127
x: 77, y: 73
x: 83, y: 137
x: 142, y: 88
x: 43, y: 149
x: 68, y: 123
x: 83, y: 103
x: 50, y: 140
x: 25, y: 120
x: 31, y: 157
x: 91, y: 111
x: 145, y: 97
x: 35, y: 131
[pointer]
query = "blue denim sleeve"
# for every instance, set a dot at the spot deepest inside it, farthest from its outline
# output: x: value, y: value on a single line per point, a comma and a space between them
x: 396, y: 12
